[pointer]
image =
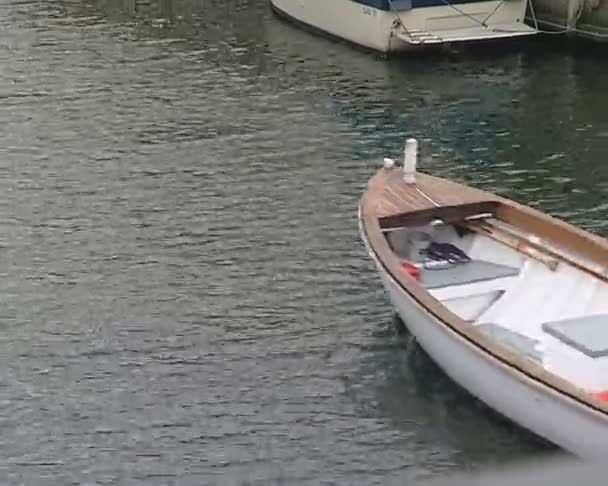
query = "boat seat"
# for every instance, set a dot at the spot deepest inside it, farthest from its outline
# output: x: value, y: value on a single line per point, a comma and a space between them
x: 465, y: 273
x: 514, y: 340
x: 587, y: 334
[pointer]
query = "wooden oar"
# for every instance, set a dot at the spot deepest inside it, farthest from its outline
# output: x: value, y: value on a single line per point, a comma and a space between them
x: 518, y: 243
x: 536, y: 249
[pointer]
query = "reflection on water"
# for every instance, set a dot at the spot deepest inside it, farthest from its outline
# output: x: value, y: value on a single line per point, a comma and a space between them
x: 186, y: 298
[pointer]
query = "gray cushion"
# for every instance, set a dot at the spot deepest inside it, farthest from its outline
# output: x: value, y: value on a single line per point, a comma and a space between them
x: 514, y: 340
x: 464, y: 273
x: 588, y: 334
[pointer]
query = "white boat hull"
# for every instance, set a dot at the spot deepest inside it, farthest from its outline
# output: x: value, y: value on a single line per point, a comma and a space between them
x: 549, y: 414
x: 378, y: 30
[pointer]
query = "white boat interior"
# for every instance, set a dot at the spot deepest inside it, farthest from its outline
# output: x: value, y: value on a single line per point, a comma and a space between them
x: 539, y: 305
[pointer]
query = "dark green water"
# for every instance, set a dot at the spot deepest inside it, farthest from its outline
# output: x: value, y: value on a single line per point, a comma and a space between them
x: 185, y: 296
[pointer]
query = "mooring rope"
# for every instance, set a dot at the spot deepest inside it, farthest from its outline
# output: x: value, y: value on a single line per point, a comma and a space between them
x: 451, y: 5
x: 561, y: 28
x: 493, y: 12
x: 396, y: 12
x: 475, y: 19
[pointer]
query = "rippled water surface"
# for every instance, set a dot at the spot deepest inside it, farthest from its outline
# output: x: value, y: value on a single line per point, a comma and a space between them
x: 185, y: 299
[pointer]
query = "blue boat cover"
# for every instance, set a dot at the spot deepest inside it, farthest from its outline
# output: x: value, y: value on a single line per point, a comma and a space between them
x: 409, y: 4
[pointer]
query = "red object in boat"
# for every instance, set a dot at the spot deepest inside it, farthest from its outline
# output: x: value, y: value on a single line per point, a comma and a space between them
x: 412, y: 270
x: 602, y: 396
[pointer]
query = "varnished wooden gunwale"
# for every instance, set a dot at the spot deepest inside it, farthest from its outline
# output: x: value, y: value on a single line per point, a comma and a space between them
x: 388, y: 198
x: 446, y: 213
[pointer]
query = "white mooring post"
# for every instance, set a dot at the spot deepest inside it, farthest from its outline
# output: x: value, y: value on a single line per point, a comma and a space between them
x: 410, y: 159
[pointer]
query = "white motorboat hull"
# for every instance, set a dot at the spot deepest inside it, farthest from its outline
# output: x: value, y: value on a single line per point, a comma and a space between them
x: 379, y: 30
x: 552, y: 415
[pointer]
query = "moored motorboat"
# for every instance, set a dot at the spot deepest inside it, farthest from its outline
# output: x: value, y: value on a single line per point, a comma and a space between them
x: 399, y: 25
x: 510, y: 302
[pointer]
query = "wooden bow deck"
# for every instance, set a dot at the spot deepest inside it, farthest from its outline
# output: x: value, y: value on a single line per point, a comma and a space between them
x: 393, y: 197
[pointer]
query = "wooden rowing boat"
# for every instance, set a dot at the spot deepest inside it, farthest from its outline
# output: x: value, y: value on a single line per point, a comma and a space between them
x: 510, y: 302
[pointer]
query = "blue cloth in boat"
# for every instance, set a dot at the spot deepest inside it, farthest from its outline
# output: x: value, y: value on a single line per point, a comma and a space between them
x: 404, y: 5
x: 587, y: 334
